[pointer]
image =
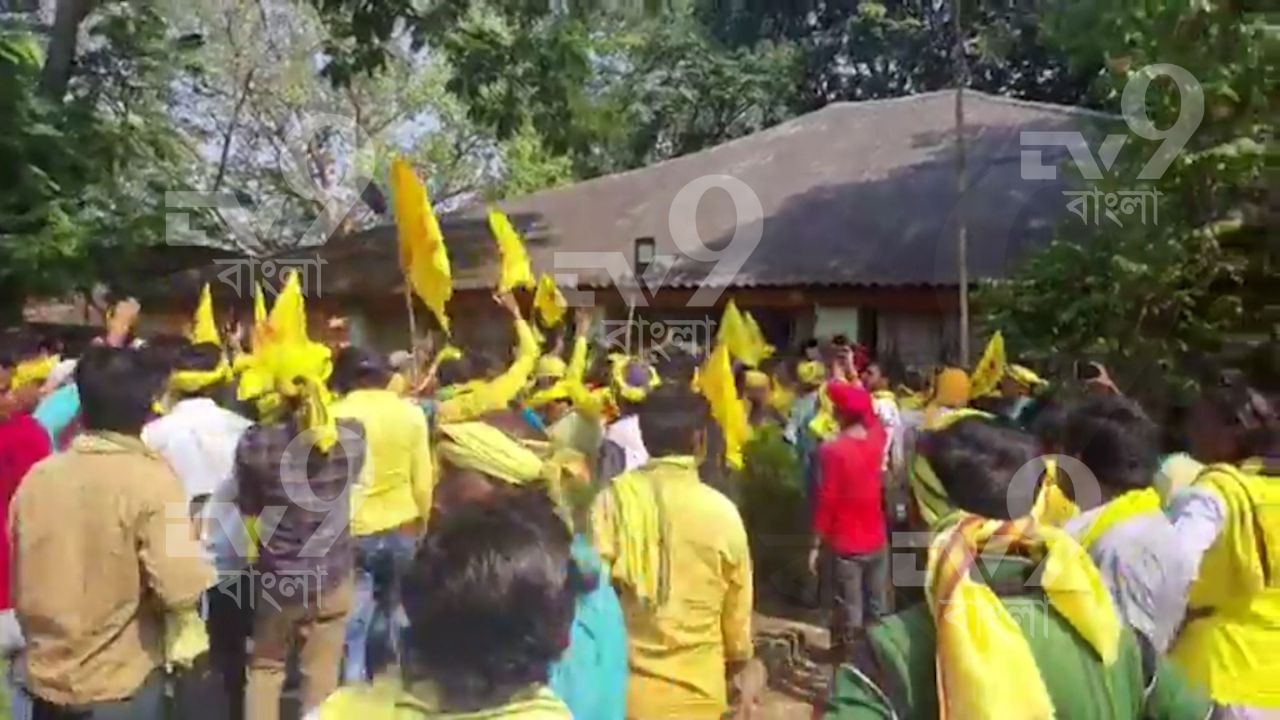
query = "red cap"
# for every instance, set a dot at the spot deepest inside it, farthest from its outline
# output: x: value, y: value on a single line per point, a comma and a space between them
x: 850, y: 402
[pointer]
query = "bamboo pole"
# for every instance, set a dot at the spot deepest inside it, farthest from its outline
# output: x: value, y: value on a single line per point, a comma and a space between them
x: 962, y: 187
x: 413, y: 335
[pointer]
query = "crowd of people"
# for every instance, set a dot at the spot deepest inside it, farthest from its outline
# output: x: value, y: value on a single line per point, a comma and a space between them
x: 250, y: 524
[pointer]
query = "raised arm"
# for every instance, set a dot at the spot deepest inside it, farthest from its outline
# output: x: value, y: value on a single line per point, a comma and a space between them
x: 498, y: 393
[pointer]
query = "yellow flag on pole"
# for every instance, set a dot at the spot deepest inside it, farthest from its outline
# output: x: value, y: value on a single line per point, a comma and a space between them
x: 735, y: 336
x: 549, y: 302
x: 259, y: 305
x: 990, y: 368
x: 715, y: 383
x: 288, y: 319
x: 516, y: 271
x: 424, y: 259
x: 203, y: 327
x: 760, y: 348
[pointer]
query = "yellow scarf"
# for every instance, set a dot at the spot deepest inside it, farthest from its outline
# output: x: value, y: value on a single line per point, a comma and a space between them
x: 811, y: 373
x: 824, y: 425
x: 781, y: 397
x: 484, y: 448
x: 638, y: 519
x: 34, y: 371
x: 931, y: 497
x: 985, y: 668
x: 1052, y: 505
x: 1128, y: 505
x: 191, y: 381
x: 1251, y: 527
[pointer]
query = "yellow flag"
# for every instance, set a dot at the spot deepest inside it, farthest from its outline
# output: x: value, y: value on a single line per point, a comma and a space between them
x: 734, y: 334
x: 516, y: 271
x: 259, y: 305
x: 549, y: 301
x: 987, y: 373
x: 203, y: 327
x: 760, y: 348
x: 715, y: 382
x: 288, y: 318
x: 423, y: 257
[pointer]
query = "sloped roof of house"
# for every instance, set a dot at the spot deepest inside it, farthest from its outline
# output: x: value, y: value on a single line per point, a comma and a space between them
x: 860, y: 194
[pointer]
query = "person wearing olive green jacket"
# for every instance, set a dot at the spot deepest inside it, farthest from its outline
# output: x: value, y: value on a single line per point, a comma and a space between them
x: 1018, y: 622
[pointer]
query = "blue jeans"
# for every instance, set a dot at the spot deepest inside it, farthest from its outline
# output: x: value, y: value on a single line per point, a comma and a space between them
x: 20, y: 706
x: 376, y: 621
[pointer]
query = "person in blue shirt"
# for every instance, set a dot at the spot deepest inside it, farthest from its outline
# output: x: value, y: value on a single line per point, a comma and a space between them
x: 591, y: 676
x: 57, y: 413
x: 476, y: 463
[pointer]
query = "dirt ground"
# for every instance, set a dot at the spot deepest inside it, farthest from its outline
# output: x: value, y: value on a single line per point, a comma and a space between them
x: 794, y: 651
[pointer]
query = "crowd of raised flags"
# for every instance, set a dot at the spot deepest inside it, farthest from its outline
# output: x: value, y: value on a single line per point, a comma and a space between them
x: 554, y: 538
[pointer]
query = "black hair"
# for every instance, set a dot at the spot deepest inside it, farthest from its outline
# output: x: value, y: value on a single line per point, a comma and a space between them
x: 117, y: 388
x: 199, y: 357
x: 490, y: 600
x: 455, y: 372
x: 1046, y: 419
x: 1115, y: 440
x: 671, y: 420
x: 1248, y: 415
x: 359, y: 369
x: 976, y: 462
x: 677, y: 367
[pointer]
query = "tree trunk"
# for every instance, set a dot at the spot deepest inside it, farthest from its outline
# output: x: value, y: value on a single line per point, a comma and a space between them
x: 63, y: 40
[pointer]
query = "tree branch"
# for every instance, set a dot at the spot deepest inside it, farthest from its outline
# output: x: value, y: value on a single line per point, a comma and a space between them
x: 64, y: 39
x: 231, y: 128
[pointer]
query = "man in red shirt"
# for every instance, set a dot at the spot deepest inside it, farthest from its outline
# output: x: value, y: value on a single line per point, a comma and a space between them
x: 850, y: 535
x: 23, y: 443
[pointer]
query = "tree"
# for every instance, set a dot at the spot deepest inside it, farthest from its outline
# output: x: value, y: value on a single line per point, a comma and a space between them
x: 610, y: 91
x: 296, y: 151
x: 86, y: 169
x: 1154, y: 301
x: 860, y: 50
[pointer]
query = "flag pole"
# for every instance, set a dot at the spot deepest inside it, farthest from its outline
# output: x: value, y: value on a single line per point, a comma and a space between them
x: 631, y: 315
x: 962, y: 187
x: 413, y: 334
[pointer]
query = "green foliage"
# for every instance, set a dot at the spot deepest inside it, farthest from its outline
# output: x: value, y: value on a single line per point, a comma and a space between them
x: 1154, y: 300
x: 679, y: 92
x: 610, y: 91
x: 773, y: 504
x: 530, y: 167
x: 867, y: 50
x: 85, y: 177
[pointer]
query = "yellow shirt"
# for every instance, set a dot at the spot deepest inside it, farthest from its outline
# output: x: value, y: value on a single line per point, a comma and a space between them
x: 482, y: 398
x: 678, y: 651
x: 397, y: 479
x: 388, y: 699
x: 588, y: 402
x: 102, y: 549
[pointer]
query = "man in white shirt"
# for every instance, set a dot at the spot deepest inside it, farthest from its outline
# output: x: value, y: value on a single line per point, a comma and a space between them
x: 885, y: 405
x: 198, y: 439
